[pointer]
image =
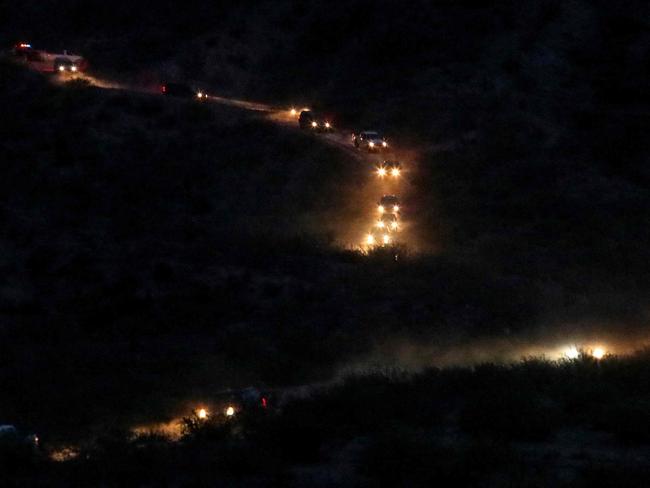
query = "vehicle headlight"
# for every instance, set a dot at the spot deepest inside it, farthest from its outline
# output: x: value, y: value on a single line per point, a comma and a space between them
x: 395, y: 171
x: 370, y: 239
x: 61, y: 68
x: 380, y: 208
x: 314, y: 124
x: 73, y: 68
x: 393, y: 225
x: 199, y: 95
x: 381, y: 171
x: 230, y: 411
x: 598, y: 353
x: 327, y: 124
x: 371, y: 144
x: 380, y: 224
x: 384, y: 143
x: 395, y: 208
x: 386, y: 239
x: 293, y: 111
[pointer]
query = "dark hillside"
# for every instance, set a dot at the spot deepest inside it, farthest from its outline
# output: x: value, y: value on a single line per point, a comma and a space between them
x: 147, y: 237
x: 127, y: 216
x: 156, y: 251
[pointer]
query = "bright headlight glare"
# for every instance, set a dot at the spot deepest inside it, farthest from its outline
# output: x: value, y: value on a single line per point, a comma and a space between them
x: 380, y: 224
x: 371, y: 144
x: 384, y: 144
x: 327, y: 124
x: 598, y: 352
x: 394, y: 172
x: 370, y: 239
x: 395, y: 208
x: 61, y: 68
x: 381, y: 171
x: 314, y: 124
x: 386, y: 239
x: 380, y: 208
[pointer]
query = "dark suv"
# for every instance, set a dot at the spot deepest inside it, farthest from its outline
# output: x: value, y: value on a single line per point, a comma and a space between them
x: 309, y: 120
x: 177, y: 90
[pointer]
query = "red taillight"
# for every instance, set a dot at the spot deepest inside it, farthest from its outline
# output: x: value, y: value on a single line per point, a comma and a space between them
x: 163, y: 88
x: 264, y: 402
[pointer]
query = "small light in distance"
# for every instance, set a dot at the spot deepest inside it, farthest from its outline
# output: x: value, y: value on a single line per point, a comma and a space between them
x: 230, y: 411
x: 380, y: 224
x: 381, y: 172
x: 386, y: 239
x: 395, y: 208
x: 393, y: 225
x: 327, y: 125
x: 380, y: 208
x: 61, y: 68
x: 395, y: 172
x: 202, y: 413
x: 314, y: 124
x: 598, y: 353
x: 384, y: 143
x: 370, y: 239
x: 200, y: 95
x: 73, y: 68
x: 293, y: 112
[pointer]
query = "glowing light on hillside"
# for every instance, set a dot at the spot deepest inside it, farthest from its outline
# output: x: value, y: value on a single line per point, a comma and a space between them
x: 572, y: 352
x: 598, y: 352
x: 202, y: 413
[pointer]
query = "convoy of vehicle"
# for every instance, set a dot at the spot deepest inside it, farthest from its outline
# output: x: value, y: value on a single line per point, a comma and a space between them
x: 47, y: 62
x: 309, y: 120
x: 383, y: 233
